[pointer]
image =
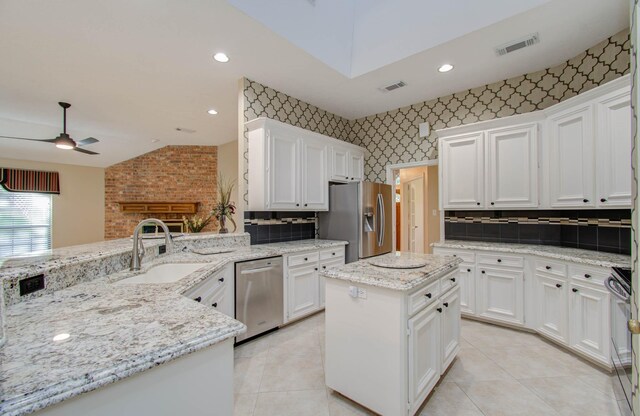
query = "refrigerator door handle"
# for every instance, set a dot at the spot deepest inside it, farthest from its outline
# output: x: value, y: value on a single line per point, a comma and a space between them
x: 380, y: 207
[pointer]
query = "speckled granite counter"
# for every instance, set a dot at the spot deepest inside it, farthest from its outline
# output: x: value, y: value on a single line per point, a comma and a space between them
x: 364, y: 272
x: 116, y: 330
x: 574, y: 255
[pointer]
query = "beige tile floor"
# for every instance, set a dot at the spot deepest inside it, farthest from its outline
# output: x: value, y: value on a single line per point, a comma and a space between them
x: 498, y: 372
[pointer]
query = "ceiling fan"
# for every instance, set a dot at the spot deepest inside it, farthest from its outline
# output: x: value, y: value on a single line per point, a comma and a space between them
x: 63, y: 141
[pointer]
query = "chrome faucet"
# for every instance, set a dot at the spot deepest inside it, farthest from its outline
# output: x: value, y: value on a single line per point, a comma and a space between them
x: 138, y: 247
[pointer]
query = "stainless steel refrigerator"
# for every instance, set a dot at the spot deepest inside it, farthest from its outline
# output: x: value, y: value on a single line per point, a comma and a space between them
x: 360, y: 213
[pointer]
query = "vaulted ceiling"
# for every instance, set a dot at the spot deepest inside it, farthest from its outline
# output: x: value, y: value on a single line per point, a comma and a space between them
x: 136, y: 71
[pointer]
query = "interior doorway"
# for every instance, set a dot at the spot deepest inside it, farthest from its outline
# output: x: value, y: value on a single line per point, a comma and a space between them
x: 417, y: 218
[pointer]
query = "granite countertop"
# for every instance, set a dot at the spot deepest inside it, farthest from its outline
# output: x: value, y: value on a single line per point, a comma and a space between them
x: 115, y: 330
x: 405, y: 279
x: 574, y: 255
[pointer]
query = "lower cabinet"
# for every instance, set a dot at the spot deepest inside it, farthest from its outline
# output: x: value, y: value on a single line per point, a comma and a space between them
x: 304, y: 285
x: 552, y: 307
x: 501, y: 295
x: 424, y: 352
x: 450, y: 327
x: 217, y: 291
x: 303, y: 291
x: 467, y: 282
x: 589, y: 316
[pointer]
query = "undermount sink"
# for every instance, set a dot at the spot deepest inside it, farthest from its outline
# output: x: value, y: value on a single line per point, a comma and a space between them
x: 164, y: 273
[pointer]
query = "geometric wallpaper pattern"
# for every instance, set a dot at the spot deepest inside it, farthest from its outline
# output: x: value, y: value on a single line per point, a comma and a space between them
x: 392, y: 137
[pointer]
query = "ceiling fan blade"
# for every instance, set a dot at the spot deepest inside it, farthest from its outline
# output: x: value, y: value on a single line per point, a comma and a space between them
x: 89, y: 152
x: 87, y: 141
x: 32, y: 140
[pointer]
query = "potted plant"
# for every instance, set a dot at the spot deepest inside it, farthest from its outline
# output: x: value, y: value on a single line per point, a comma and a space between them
x: 224, y: 208
x: 196, y: 224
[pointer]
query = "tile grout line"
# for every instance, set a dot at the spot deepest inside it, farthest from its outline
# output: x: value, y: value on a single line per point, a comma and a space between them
x: 470, y: 399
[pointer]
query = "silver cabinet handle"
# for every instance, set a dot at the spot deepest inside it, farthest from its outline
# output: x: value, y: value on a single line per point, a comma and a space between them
x: 611, y: 284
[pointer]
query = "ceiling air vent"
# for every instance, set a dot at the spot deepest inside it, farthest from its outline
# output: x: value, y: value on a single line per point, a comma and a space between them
x: 514, y: 45
x: 393, y: 86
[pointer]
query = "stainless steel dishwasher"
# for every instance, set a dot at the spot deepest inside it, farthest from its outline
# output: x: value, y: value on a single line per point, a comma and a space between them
x: 259, y: 295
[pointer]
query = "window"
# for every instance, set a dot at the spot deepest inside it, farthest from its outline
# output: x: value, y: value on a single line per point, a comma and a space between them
x: 25, y: 222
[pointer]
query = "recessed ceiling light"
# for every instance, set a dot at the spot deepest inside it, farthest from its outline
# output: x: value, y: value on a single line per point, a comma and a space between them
x: 155, y: 140
x: 445, y: 68
x: 61, y: 337
x: 185, y: 130
x: 212, y: 112
x: 221, y: 57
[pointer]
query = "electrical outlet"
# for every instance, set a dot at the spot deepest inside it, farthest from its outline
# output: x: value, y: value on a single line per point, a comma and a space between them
x: 31, y: 284
x: 362, y: 293
x: 353, y: 291
x: 162, y: 249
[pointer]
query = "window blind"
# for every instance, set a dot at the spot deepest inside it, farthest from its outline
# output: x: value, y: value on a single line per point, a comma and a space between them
x: 25, y: 223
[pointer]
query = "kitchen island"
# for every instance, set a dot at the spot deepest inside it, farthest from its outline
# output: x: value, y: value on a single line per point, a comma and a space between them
x: 392, y: 329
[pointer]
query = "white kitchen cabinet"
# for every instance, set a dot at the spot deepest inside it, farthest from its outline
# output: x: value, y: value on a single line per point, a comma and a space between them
x: 589, y: 317
x: 462, y: 171
x: 303, y: 291
x: 314, y: 175
x: 570, y: 143
x: 339, y: 163
x: 552, y: 307
x: 614, y: 142
x: 467, y: 282
x: 289, y: 168
x: 356, y: 166
x: 501, y: 295
x: 324, y: 265
x: 424, y: 353
x: 450, y: 327
x: 216, y: 291
x: 512, y: 167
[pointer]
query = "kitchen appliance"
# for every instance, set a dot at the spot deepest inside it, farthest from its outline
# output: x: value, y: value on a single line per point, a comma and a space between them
x: 259, y: 296
x: 360, y: 213
x: 619, y: 284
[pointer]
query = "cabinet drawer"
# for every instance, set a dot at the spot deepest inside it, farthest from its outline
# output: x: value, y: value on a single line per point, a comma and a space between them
x: 423, y: 297
x: 328, y: 264
x: 552, y: 267
x: 304, y: 258
x: 588, y: 274
x: 448, y: 281
x: 493, y: 260
x: 206, y: 288
x: 466, y: 256
x: 332, y: 253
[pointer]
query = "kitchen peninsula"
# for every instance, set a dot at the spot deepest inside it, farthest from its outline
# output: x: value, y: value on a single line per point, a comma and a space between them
x: 392, y: 329
x: 89, y: 342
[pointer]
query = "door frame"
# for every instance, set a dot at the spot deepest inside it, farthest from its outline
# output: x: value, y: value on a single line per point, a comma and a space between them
x: 390, y: 180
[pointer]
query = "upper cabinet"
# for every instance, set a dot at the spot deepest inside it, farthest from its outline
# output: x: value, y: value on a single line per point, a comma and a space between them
x: 462, y: 171
x: 347, y: 163
x: 570, y: 144
x: 576, y: 154
x: 512, y: 167
x: 290, y: 168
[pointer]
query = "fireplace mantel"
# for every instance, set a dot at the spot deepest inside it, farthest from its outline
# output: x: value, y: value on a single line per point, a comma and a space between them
x: 142, y: 207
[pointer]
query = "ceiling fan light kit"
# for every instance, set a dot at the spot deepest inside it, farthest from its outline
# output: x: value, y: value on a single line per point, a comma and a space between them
x: 63, y: 141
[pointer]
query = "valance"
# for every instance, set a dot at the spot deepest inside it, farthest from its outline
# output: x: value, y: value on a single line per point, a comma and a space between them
x: 19, y: 180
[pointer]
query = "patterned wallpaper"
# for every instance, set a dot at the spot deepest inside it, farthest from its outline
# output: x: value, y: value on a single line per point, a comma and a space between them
x: 392, y: 137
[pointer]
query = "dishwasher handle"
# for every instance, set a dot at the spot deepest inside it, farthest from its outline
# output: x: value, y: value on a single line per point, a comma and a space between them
x: 257, y: 270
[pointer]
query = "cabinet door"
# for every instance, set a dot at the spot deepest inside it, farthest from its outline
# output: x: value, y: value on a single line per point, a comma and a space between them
x: 324, y: 265
x: 462, y: 171
x: 570, y: 153
x: 284, y: 178
x: 424, y: 354
x: 552, y: 304
x: 500, y: 295
x: 303, y: 292
x: 466, y: 281
x: 315, y: 184
x: 356, y: 166
x: 589, y: 318
x: 450, y: 327
x: 614, y: 142
x: 339, y: 164
x: 512, y: 167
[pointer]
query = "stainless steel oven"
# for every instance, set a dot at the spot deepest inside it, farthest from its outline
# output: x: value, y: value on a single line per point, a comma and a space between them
x: 619, y: 284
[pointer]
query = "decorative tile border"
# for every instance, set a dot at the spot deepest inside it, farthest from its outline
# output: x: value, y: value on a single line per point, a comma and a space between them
x: 600, y: 222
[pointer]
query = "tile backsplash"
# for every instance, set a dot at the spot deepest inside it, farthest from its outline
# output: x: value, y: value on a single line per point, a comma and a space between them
x: 278, y: 226
x: 601, y: 230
